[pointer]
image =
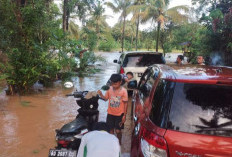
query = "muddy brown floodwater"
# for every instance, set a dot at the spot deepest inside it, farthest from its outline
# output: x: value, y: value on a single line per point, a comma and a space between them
x: 28, y: 123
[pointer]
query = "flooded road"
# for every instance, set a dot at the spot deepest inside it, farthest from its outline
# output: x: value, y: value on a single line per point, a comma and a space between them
x: 28, y: 123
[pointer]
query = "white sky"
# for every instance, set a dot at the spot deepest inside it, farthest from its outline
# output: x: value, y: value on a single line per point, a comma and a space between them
x: 114, y: 17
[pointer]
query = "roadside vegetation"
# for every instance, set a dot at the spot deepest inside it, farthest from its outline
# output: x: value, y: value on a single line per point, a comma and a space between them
x: 40, y: 42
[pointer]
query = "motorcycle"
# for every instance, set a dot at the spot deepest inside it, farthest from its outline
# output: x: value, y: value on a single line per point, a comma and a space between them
x: 68, y: 137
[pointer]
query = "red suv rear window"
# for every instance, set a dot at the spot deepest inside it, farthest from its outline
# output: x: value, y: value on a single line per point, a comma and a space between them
x: 193, y: 108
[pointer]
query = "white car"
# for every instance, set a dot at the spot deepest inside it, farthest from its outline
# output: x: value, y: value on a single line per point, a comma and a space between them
x: 137, y: 62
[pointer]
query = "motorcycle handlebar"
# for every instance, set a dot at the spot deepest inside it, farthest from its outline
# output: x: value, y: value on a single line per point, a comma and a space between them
x: 69, y: 95
x: 80, y: 94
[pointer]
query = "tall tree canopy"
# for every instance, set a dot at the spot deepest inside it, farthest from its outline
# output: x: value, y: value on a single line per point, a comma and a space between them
x: 121, y: 6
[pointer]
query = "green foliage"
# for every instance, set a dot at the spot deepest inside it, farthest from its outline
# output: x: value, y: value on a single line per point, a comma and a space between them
x: 73, y: 30
x: 87, y: 63
x: 37, y: 48
x: 212, y: 35
x: 147, y: 39
x: 216, y: 14
x: 184, y: 33
x: 128, y: 45
x: 123, y: 7
x: 167, y: 47
x: 89, y: 38
x: 216, y: 36
x: 107, y: 45
x: 107, y: 42
x: 149, y: 44
x: 31, y: 31
x: 116, y: 32
x: 25, y: 68
x: 166, y: 38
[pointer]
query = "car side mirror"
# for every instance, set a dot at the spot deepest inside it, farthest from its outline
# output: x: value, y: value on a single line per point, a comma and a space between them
x: 132, y: 84
x: 115, y: 61
x: 119, y: 62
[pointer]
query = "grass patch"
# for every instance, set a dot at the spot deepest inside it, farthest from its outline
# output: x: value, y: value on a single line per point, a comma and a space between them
x: 35, y: 151
x: 26, y: 104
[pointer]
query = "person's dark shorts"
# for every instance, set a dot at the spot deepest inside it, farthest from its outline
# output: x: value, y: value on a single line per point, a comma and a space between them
x: 113, y: 121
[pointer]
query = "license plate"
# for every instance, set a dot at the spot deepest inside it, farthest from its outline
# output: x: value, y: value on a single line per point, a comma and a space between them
x: 140, y: 74
x: 62, y: 153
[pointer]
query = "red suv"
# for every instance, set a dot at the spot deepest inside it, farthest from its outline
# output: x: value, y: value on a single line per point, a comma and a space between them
x: 183, y: 111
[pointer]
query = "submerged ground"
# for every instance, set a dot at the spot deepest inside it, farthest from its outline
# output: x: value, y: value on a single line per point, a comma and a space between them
x: 28, y: 123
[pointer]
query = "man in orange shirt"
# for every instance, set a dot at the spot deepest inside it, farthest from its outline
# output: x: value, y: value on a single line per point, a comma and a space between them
x: 117, y: 108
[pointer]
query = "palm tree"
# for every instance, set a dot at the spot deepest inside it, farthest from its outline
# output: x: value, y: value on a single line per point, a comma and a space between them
x: 157, y: 11
x: 130, y: 31
x: 137, y: 10
x: 154, y: 12
x: 74, y: 30
x: 79, y: 7
x: 175, y: 16
x: 98, y: 19
x: 121, y: 6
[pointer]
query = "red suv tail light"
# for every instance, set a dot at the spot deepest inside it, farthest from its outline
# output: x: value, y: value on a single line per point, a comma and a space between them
x: 153, y: 145
x: 122, y: 70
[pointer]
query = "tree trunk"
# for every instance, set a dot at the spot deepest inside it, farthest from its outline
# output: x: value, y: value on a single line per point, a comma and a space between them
x: 163, y: 49
x: 22, y: 3
x: 19, y: 18
x: 137, y: 32
x: 65, y: 14
x: 157, y: 38
x: 17, y: 12
x: 98, y: 28
x: 123, y: 31
x: 67, y: 18
x: 132, y: 40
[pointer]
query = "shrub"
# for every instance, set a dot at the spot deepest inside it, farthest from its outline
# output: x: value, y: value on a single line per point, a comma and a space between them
x: 87, y: 63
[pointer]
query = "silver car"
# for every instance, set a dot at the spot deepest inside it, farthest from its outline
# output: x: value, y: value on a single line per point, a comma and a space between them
x: 137, y: 62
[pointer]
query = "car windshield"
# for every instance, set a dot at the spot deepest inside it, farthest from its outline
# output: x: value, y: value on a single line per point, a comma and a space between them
x: 194, y: 108
x: 142, y: 60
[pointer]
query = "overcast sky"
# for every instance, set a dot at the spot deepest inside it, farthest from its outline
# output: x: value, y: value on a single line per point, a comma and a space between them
x: 114, y: 17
